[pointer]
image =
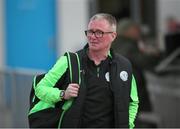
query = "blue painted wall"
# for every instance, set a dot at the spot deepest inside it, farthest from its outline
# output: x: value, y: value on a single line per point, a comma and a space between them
x: 30, y: 33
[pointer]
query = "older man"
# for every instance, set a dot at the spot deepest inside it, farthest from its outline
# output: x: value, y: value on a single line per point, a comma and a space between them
x: 107, y: 95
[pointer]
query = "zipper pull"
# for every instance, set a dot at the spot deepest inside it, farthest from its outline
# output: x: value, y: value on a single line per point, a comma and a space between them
x: 98, y: 69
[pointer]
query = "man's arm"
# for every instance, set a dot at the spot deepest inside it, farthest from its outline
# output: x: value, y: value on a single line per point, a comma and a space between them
x: 45, y: 89
x: 133, y: 106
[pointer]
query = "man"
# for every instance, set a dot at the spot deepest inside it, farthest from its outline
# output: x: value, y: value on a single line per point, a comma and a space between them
x: 128, y: 44
x: 107, y: 95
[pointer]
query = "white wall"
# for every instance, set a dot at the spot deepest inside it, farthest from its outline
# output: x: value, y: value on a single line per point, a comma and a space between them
x: 1, y: 34
x: 72, y: 21
x: 166, y: 8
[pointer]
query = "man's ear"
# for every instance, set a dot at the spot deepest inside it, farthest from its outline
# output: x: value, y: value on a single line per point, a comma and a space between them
x: 114, y: 35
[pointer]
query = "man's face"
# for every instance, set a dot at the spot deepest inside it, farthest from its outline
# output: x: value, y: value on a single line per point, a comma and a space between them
x: 100, y: 35
x: 133, y: 32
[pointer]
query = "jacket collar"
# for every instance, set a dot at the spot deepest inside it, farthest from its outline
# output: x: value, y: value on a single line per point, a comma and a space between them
x: 110, y: 52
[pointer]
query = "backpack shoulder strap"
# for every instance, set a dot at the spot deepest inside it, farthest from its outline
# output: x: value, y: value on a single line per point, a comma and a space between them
x: 74, y: 67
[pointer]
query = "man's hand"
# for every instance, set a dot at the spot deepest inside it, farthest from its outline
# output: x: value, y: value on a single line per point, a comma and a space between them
x: 71, y: 91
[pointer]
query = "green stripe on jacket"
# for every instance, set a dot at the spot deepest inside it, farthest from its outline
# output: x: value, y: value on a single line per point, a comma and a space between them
x: 133, y: 106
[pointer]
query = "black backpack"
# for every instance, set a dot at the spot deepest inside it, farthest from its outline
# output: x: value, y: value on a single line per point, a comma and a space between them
x: 52, y: 117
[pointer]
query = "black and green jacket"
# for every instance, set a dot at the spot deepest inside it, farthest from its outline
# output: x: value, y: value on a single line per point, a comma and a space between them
x: 125, y: 95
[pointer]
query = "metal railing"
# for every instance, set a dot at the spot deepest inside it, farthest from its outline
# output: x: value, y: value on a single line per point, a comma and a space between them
x: 165, y: 95
x: 15, y: 85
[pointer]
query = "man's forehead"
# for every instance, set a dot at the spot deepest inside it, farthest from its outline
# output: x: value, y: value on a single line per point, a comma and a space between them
x: 99, y: 24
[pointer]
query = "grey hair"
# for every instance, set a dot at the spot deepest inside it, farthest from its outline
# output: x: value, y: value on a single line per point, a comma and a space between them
x: 108, y: 17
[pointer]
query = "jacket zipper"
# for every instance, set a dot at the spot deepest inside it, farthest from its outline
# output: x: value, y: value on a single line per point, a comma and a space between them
x: 98, y: 69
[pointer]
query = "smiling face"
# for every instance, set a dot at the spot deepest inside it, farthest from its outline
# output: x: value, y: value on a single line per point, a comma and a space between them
x: 100, y: 43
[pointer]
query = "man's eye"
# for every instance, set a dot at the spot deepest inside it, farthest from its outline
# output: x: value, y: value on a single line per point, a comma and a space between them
x: 98, y: 32
x: 90, y: 32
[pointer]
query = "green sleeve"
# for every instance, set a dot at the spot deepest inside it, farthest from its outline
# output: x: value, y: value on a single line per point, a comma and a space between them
x: 45, y: 90
x: 133, y: 106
